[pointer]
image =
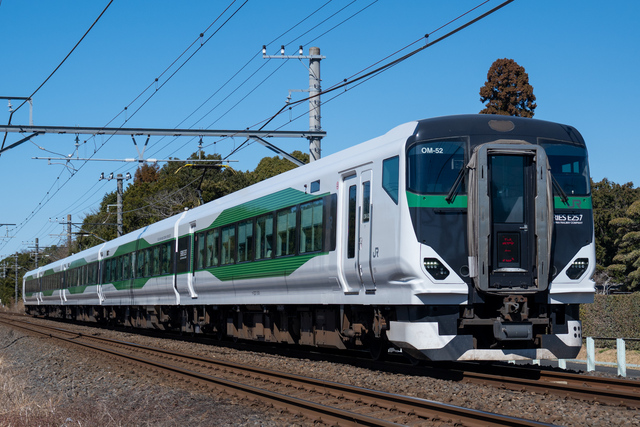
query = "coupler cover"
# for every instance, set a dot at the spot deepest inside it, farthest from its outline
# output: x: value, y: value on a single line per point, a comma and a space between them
x: 512, y: 331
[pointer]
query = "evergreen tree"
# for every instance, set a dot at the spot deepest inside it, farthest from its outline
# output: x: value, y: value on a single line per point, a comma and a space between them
x: 610, y: 201
x: 507, y: 90
x: 627, y: 260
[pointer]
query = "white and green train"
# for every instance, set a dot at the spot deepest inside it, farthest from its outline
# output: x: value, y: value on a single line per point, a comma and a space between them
x: 453, y: 238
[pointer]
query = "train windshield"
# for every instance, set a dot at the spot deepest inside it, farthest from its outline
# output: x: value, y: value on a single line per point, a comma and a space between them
x: 569, y: 166
x: 434, y: 166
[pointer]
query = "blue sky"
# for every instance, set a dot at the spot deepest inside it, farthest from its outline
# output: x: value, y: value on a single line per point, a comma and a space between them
x: 582, y: 58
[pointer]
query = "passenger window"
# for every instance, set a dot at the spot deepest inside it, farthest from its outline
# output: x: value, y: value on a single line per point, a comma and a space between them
x: 391, y: 177
x: 286, y: 232
x: 228, y: 244
x: 264, y: 236
x: 311, y: 226
x: 245, y: 241
x: 213, y: 243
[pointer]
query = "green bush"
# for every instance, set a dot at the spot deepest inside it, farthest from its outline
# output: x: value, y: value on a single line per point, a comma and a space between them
x: 612, y: 316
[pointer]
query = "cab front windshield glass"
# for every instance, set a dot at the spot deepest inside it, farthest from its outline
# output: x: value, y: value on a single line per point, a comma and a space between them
x: 569, y: 166
x: 433, y: 166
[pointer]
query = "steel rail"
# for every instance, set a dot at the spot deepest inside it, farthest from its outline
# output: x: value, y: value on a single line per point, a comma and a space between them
x: 422, y: 408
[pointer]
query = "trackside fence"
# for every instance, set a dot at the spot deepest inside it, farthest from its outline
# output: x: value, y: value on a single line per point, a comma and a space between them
x: 621, y: 354
x: 591, y: 356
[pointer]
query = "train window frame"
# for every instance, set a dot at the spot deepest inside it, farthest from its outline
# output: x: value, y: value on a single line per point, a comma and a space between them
x: 248, y: 242
x: 351, y: 221
x: 391, y: 177
x: 228, y: 251
x: 268, y: 240
x: 366, y: 201
x: 560, y: 175
x: 291, y: 240
x: 317, y: 234
x: 415, y: 176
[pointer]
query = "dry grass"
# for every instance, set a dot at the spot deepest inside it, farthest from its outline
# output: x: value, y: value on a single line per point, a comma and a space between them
x: 610, y: 355
x: 21, y: 408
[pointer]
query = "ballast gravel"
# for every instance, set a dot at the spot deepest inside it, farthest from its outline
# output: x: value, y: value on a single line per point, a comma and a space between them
x: 49, y: 384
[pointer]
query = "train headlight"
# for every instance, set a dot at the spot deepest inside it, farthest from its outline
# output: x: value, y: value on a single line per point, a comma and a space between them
x: 578, y: 267
x: 435, y: 268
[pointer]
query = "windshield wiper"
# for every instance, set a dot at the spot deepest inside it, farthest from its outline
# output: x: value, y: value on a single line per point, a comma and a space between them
x: 560, y: 191
x: 454, y: 188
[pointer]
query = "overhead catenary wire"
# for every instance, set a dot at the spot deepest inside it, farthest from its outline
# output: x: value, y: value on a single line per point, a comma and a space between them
x: 58, y: 67
x: 46, y: 199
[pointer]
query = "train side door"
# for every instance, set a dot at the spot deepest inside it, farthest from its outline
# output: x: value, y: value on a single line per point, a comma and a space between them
x: 348, y: 234
x: 356, y: 233
x: 365, y: 219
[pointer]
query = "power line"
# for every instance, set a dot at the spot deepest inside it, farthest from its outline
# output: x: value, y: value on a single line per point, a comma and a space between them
x: 59, y: 65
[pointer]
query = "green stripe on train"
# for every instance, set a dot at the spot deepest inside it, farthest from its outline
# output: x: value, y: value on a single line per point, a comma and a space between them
x: 262, y: 205
x: 573, y: 203
x: 278, y: 267
x: 434, y: 201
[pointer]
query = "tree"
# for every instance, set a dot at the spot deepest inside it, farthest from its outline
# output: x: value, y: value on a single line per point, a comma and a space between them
x: 627, y: 260
x: 507, y: 90
x: 610, y: 201
x: 272, y: 166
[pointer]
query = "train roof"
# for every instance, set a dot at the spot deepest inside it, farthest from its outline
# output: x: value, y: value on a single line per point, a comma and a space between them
x: 490, y: 124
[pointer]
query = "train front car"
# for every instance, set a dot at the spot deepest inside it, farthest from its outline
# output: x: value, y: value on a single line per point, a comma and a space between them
x: 503, y: 205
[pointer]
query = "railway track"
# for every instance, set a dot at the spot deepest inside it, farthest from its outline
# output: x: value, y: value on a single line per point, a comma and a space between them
x: 604, y: 390
x: 317, y: 400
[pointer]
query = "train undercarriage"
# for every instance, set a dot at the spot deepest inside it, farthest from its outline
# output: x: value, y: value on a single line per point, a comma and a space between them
x: 422, y: 332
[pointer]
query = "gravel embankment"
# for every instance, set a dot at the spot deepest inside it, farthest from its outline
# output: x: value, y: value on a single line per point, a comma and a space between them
x: 57, y: 385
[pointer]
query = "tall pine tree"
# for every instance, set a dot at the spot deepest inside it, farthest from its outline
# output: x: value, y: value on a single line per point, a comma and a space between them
x: 507, y: 90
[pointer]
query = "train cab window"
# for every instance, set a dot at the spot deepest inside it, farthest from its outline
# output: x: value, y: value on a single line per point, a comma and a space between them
x: 228, y: 245
x: 245, y: 241
x: 264, y: 237
x: 286, y: 232
x: 433, y: 166
x: 311, y: 226
x: 569, y: 166
x: 391, y: 177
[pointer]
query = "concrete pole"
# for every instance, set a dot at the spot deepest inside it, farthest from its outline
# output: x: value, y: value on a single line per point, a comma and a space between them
x: 69, y: 233
x: 37, y: 249
x: 119, y: 204
x: 16, y: 300
x: 314, y: 102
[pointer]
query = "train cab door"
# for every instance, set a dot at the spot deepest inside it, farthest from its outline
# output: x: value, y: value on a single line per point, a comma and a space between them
x: 511, y: 212
x: 512, y: 198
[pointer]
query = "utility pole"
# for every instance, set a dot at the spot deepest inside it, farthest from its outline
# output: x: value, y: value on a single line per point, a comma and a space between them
x: 314, y: 102
x: 314, y: 58
x: 119, y: 194
x: 16, y: 265
x: 69, y: 233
